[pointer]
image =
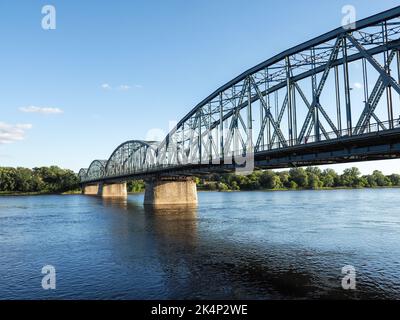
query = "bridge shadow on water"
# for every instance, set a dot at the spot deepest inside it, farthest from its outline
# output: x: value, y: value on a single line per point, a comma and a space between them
x: 197, y: 264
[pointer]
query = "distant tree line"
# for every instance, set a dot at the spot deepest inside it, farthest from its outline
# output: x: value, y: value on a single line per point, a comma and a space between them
x: 298, y: 178
x: 39, y: 180
x: 135, y: 186
x: 56, y: 180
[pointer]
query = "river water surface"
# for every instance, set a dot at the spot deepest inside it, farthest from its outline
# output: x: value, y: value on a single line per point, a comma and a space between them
x: 244, y: 245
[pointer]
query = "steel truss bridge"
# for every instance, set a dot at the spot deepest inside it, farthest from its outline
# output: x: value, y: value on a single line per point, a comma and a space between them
x: 333, y: 99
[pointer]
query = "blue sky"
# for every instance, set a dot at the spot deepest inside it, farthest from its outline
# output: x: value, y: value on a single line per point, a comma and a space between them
x: 113, y: 70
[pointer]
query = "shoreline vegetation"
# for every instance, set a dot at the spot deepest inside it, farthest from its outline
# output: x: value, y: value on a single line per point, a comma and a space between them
x: 296, y: 179
x: 311, y: 178
x: 43, y: 180
x: 54, y: 180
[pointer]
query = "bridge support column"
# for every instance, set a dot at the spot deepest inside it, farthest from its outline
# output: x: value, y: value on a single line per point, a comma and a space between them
x: 91, y: 190
x: 115, y: 190
x: 170, y: 191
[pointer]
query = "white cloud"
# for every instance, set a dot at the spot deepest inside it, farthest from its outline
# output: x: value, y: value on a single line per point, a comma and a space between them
x: 121, y: 87
x: 12, y: 132
x: 42, y: 110
x: 357, y: 85
x: 124, y: 87
x: 106, y: 86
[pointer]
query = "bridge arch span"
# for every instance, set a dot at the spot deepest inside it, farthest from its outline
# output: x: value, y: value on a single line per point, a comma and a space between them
x: 83, y: 174
x: 131, y: 157
x: 96, y: 170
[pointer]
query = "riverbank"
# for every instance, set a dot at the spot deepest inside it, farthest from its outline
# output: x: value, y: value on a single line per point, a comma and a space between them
x: 302, y: 189
x: 6, y: 193
x: 311, y: 178
x: 77, y: 192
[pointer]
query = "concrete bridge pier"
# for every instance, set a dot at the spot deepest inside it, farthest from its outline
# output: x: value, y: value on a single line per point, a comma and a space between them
x: 170, y: 191
x: 91, y: 190
x: 114, y: 190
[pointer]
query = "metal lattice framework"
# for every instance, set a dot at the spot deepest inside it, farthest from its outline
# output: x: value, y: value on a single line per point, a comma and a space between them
x: 82, y: 174
x: 342, y: 84
x: 128, y: 158
x: 96, y: 170
x: 132, y: 157
x: 288, y: 91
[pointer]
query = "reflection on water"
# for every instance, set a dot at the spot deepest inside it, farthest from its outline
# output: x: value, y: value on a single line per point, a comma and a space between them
x: 173, y: 224
x: 233, y: 246
x: 116, y: 202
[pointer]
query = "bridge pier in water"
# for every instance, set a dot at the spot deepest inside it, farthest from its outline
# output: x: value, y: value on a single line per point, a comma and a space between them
x: 91, y: 190
x: 170, y: 191
x: 114, y: 190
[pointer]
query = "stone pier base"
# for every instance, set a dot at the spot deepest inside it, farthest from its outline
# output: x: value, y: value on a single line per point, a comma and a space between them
x: 91, y: 190
x: 115, y: 190
x: 170, y: 191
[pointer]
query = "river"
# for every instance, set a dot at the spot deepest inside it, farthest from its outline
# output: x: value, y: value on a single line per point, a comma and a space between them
x: 243, y: 245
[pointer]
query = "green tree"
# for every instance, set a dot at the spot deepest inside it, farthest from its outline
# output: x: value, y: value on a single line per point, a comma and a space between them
x: 293, y: 185
x: 371, y: 181
x: 234, y: 186
x: 329, y: 178
x: 7, y: 179
x: 362, y: 182
x: 314, y: 182
x: 212, y: 186
x: 269, y: 180
x: 314, y: 170
x: 351, y: 177
x: 284, y: 177
x: 222, y: 186
x: 24, y: 180
x: 395, y: 179
x: 136, y: 186
x: 380, y: 179
x: 46, y: 179
x: 299, y: 175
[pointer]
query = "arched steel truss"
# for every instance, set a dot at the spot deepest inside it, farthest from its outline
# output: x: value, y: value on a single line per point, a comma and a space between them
x: 344, y: 83
x: 82, y: 174
x: 300, y: 96
x: 130, y: 157
x: 96, y: 170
